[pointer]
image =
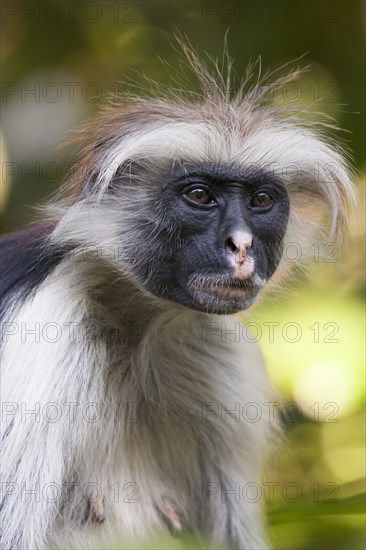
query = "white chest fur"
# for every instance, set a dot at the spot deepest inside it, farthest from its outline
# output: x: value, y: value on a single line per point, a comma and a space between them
x: 140, y: 428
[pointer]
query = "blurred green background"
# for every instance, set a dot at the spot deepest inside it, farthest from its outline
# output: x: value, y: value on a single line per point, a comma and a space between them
x: 59, y: 61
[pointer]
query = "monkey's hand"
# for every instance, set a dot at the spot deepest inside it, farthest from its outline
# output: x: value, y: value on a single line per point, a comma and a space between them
x: 168, y: 512
x: 97, y: 510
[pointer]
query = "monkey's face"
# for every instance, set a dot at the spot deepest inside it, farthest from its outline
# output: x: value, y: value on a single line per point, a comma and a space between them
x: 218, y: 239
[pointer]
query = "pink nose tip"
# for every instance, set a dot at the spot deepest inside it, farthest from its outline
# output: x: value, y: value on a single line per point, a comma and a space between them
x: 238, y: 244
x: 237, y: 247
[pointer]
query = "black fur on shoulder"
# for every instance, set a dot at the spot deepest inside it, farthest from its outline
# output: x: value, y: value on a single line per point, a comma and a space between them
x: 25, y: 261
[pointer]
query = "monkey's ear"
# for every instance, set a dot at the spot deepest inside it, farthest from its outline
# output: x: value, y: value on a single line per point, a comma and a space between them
x: 122, y: 176
x: 89, y: 185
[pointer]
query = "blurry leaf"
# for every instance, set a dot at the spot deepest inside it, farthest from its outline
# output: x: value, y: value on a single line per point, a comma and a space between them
x: 304, y: 511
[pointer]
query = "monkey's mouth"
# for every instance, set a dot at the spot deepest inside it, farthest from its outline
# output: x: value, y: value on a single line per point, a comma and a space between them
x: 230, y: 291
x: 223, y: 285
x: 226, y: 292
x: 237, y: 290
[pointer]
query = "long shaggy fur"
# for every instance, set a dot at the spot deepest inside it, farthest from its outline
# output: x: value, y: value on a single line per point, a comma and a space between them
x: 132, y: 393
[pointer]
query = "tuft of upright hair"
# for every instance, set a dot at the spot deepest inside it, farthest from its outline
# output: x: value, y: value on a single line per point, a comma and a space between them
x: 78, y: 273
x: 232, y: 120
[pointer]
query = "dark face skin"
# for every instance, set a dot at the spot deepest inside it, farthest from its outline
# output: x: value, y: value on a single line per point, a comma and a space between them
x: 203, y: 214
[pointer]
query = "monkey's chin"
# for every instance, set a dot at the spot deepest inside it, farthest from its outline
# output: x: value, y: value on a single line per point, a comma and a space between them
x: 224, y: 300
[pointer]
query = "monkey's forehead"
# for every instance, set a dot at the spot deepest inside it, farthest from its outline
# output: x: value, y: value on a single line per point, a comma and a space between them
x: 218, y: 173
x: 284, y: 151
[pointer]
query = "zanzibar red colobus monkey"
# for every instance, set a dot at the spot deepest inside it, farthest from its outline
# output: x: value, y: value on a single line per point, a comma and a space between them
x: 174, y: 218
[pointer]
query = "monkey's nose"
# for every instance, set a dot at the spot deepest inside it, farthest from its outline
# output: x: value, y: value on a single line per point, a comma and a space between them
x: 237, y: 247
x: 238, y: 244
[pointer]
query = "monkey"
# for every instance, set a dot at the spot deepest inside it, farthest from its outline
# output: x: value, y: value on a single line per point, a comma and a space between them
x: 118, y: 387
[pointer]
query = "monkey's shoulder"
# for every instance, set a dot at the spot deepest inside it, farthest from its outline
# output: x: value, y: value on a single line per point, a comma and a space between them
x: 26, y: 260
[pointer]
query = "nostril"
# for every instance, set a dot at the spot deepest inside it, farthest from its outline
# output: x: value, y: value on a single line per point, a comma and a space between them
x: 231, y: 246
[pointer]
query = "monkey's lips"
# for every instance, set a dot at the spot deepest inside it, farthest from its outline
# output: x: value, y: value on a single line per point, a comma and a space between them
x: 233, y: 291
x: 227, y: 296
x: 236, y: 288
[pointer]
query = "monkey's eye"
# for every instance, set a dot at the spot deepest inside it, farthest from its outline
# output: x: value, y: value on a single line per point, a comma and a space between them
x: 200, y: 195
x: 260, y: 200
